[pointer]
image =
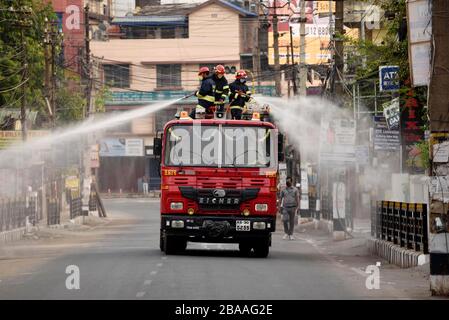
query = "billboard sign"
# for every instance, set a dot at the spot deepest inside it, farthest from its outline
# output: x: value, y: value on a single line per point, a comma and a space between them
x: 392, y: 113
x: 121, y: 147
x: 337, y: 141
x: 385, y: 139
x: 388, y: 78
x: 419, y: 20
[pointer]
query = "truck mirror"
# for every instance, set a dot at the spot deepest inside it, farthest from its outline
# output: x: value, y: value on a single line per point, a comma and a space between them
x: 281, y: 154
x: 157, y: 147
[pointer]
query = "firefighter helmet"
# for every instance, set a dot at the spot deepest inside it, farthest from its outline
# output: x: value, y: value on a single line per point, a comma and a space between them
x: 203, y: 70
x: 219, y: 69
x: 241, y: 74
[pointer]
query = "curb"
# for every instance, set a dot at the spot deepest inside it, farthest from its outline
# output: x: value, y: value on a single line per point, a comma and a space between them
x: 401, y: 257
x: 151, y: 195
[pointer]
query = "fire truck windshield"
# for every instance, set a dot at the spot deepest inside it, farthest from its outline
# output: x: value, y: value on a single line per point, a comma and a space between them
x: 220, y: 146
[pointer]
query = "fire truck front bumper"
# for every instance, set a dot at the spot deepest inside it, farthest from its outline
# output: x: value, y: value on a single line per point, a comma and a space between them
x: 215, y: 228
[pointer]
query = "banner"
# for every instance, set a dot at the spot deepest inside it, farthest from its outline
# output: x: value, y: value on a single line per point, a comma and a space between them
x: 121, y: 147
x: 8, y: 138
x: 385, y: 139
x: 419, y: 20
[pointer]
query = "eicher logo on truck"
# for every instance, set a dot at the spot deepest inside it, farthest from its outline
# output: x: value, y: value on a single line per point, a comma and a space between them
x: 219, y: 193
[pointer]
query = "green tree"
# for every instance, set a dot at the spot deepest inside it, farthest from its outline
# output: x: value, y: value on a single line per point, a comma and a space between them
x: 27, y: 16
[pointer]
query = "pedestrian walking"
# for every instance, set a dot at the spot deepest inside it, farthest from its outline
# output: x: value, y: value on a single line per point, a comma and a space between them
x: 145, y: 184
x: 289, y: 207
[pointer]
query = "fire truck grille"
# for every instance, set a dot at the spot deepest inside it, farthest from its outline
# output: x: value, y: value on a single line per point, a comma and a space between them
x: 219, y: 199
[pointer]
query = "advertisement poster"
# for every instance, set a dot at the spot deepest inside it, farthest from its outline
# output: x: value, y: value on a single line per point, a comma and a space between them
x: 121, y: 147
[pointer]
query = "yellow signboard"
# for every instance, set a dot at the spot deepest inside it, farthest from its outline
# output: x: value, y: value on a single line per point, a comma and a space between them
x: 8, y: 138
x: 323, y: 7
x: 72, y: 182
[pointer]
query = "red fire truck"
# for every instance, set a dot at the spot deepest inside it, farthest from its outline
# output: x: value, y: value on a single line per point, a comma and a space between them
x: 218, y: 183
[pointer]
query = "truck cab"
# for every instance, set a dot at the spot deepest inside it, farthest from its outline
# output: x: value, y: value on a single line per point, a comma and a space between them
x: 218, y: 183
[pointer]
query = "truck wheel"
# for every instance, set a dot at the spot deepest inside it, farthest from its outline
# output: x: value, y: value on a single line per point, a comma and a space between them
x: 245, y: 249
x: 174, y: 244
x: 262, y: 248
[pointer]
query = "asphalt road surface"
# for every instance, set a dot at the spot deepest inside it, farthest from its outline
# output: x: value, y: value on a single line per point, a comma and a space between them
x: 122, y: 260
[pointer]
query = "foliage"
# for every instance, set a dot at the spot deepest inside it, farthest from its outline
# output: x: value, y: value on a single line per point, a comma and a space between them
x: 70, y: 104
x: 390, y: 51
x: 101, y: 96
x: 70, y: 101
x: 32, y: 24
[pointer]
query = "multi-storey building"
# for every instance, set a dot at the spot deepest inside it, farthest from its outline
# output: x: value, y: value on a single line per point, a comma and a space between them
x: 155, y: 55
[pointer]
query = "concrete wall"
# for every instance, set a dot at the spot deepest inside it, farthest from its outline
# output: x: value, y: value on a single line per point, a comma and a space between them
x: 408, y: 188
x: 214, y: 34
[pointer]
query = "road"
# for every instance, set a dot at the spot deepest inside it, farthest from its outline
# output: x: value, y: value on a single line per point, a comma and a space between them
x: 122, y: 260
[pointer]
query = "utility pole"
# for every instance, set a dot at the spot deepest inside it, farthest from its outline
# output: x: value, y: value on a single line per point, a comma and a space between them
x: 23, y: 118
x: 302, y: 54
x: 439, y: 126
x: 47, y: 71
x: 53, y: 77
x: 87, y: 65
x: 289, y: 74
x: 256, y: 49
x: 277, y: 68
x: 338, y: 56
x: 295, y: 89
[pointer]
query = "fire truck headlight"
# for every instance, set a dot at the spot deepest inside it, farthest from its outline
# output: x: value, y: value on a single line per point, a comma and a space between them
x: 176, y: 205
x: 259, y: 225
x: 261, y: 207
x: 177, y: 224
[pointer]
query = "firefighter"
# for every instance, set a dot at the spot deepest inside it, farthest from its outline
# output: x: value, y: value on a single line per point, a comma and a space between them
x: 221, y: 87
x: 239, y: 94
x: 206, y: 93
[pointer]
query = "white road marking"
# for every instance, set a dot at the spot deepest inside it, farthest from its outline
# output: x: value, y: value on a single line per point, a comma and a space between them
x: 153, y: 273
x: 147, y: 282
x: 164, y: 258
x: 360, y: 272
x: 160, y: 265
x: 140, y: 294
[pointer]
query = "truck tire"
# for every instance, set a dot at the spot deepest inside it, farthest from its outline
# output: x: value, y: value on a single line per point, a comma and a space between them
x: 262, y: 248
x: 245, y: 249
x: 173, y: 244
x: 161, y: 241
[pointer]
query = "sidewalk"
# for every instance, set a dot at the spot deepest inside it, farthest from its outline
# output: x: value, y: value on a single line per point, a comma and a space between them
x: 353, y: 254
x: 151, y: 194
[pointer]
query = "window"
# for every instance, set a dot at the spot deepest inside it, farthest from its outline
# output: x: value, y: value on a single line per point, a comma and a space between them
x: 246, y: 62
x: 168, y: 75
x: 116, y: 75
x: 140, y: 32
x: 168, y: 33
x: 220, y: 146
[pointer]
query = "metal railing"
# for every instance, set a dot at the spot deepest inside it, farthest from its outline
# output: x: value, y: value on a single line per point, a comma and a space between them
x: 75, y: 203
x: 404, y: 224
x: 13, y: 212
x: 53, y: 211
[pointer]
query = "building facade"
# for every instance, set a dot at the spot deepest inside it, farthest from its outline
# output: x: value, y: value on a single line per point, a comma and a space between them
x: 155, y: 56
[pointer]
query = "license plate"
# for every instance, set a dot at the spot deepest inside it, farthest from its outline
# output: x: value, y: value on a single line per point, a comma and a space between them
x: 243, y: 225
